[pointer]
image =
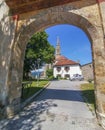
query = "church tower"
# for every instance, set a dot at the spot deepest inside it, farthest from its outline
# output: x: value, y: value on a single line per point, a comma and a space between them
x: 57, y: 50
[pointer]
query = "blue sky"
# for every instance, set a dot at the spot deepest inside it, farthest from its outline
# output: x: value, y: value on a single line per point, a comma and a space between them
x: 74, y: 43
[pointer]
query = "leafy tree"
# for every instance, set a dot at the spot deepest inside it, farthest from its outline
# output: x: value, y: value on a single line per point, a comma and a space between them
x: 49, y: 74
x: 37, y: 47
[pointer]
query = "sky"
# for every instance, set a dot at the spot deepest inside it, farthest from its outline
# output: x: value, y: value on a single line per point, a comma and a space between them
x: 74, y: 43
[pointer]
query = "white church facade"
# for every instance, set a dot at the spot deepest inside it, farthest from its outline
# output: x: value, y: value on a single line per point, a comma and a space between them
x: 64, y: 67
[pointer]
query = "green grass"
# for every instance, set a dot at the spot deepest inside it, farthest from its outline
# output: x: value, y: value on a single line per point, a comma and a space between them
x: 30, y: 90
x: 88, y: 94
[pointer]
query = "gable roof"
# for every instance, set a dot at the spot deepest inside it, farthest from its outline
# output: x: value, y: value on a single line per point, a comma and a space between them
x: 62, y: 61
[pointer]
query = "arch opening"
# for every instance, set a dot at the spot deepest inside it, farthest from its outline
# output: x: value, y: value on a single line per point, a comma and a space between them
x: 68, y: 42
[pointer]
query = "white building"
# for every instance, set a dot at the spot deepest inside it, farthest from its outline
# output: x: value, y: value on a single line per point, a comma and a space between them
x: 63, y: 67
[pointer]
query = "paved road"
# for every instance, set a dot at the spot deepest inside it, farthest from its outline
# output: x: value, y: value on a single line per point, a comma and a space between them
x: 59, y: 107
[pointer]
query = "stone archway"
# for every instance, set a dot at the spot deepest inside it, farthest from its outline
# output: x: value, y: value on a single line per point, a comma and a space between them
x: 65, y: 14
x: 51, y: 17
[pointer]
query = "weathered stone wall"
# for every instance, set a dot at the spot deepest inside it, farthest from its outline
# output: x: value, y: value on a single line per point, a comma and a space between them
x: 87, y: 71
x: 7, y: 34
x: 4, y: 51
x: 100, y: 79
x: 102, y: 13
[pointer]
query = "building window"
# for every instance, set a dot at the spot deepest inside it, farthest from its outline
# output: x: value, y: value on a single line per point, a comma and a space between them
x: 67, y: 68
x: 67, y: 76
x: 58, y: 69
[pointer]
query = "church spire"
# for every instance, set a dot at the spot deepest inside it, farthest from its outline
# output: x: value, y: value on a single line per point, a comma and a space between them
x: 57, y: 53
x: 58, y: 41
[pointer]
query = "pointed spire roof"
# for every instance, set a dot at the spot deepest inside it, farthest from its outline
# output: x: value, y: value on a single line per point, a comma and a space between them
x: 58, y: 41
x: 58, y: 50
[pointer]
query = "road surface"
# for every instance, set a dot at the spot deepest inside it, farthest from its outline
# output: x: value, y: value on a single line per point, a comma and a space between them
x: 59, y: 107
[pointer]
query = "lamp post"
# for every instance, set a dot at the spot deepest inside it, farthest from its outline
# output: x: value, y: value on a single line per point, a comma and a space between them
x: 38, y: 62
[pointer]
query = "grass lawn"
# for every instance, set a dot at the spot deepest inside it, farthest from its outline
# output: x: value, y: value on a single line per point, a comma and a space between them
x: 88, y: 94
x: 30, y: 90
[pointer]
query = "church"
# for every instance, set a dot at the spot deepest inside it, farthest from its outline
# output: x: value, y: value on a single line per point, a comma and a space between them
x: 64, y: 67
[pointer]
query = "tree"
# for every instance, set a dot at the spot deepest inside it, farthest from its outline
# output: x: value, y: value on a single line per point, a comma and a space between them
x: 49, y: 73
x: 37, y: 47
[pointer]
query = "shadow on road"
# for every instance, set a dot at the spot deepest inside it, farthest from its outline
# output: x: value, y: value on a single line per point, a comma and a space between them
x: 30, y: 116
x: 70, y: 95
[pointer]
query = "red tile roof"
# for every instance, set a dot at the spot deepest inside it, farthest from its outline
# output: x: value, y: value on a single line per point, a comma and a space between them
x: 61, y: 61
